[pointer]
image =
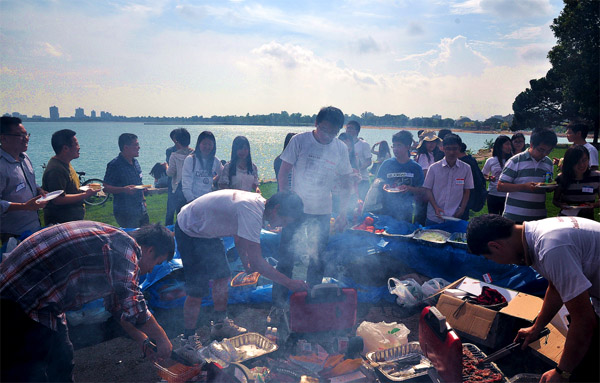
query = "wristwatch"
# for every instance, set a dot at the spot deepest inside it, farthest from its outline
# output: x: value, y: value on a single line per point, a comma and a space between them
x: 563, y: 374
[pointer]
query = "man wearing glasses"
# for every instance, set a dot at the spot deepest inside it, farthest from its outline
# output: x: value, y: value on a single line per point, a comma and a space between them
x: 522, y: 176
x: 18, y: 189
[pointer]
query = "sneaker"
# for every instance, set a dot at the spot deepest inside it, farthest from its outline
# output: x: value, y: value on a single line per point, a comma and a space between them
x: 189, y: 349
x: 225, y: 329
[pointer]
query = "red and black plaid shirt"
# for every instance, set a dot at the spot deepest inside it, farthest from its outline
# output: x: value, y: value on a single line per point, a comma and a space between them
x: 65, y: 266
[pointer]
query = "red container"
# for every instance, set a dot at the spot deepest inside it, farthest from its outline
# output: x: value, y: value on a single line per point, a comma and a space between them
x: 440, y: 344
x: 327, y: 307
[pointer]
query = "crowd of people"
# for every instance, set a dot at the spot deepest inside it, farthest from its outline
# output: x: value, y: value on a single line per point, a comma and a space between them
x: 319, y: 172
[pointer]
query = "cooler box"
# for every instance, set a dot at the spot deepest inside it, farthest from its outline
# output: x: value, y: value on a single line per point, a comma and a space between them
x: 327, y: 307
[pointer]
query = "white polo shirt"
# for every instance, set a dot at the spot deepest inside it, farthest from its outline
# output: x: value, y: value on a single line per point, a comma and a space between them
x: 447, y: 185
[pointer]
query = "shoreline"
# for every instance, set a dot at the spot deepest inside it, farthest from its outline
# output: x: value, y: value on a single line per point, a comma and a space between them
x: 458, y: 130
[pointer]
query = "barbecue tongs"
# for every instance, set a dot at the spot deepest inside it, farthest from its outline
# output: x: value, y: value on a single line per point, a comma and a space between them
x: 508, y: 349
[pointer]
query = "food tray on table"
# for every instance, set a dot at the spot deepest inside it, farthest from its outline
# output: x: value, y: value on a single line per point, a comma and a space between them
x: 252, y: 345
x: 174, y: 372
x: 471, y: 372
x: 431, y: 237
x: 400, y: 363
x: 459, y: 240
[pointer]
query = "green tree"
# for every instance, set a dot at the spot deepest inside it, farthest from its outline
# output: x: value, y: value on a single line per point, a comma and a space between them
x: 570, y: 90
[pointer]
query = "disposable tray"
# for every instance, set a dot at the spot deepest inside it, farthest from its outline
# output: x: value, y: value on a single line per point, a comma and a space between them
x: 421, y: 233
x: 383, y: 360
x: 459, y: 240
x: 174, y: 372
x: 480, y: 355
x: 263, y: 344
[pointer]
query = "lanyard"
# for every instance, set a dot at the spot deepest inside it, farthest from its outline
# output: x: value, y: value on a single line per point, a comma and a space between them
x: 27, y: 179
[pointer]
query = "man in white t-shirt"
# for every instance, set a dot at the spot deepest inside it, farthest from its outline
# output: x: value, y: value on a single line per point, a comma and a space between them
x: 577, y: 133
x: 363, y: 157
x: 565, y: 251
x: 317, y: 159
x: 198, y: 231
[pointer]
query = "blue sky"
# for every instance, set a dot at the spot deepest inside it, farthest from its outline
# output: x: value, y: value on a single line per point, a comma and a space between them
x: 184, y: 58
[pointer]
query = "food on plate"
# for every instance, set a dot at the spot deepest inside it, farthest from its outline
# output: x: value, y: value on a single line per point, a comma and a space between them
x: 95, y: 186
x: 432, y: 236
x: 395, y: 189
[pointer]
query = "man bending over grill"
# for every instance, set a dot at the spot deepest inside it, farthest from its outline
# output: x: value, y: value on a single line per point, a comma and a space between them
x: 565, y: 251
x: 62, y: 268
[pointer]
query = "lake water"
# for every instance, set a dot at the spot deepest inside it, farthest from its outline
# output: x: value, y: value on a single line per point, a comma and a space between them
x: 98, y: 142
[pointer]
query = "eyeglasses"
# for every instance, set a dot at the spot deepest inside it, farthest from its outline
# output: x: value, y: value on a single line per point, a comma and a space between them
x: 23, y: 136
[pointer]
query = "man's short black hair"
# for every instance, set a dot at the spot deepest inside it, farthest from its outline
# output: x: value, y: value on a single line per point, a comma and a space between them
x: 332, y: 115
x: 486, y: 228
x: 7, y: 122
x: 404, y: 137
x: 290, y: 204
x: 157, y: 236
x: 354, y: 124
x: 443, y: 132
x: 543, y: 136
x: 60, y: 138
x: 451, y: 139
x: 182, y: 136
x: 126, y: 139
x: 578, y: 126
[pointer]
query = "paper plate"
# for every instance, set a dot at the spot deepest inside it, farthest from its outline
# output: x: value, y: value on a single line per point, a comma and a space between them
x: 143, y: 187
x: 50, y: 196
x: 88, y: 187
x: 449, y: 218
x: 546, y: 186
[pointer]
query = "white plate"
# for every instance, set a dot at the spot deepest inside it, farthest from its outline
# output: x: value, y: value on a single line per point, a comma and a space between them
x: 448, y: 218
x: 143, y: 187
x: 88, y: 187
x: 50, y: 196
x: 398, y: 189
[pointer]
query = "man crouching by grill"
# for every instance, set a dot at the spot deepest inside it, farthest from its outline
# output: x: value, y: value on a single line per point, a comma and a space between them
x: 564, y: 250
x: 62, y: 268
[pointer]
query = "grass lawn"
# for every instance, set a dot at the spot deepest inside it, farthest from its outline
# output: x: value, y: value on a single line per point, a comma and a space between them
x: 157, y: 204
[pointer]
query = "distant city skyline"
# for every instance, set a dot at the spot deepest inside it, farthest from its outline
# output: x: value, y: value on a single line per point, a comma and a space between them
x: 233, y: 57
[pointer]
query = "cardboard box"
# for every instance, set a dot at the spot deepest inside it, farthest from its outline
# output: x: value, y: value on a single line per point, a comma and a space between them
x: 496, y: 329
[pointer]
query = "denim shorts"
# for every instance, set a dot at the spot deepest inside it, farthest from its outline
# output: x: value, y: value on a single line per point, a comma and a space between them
x: 203, y: 259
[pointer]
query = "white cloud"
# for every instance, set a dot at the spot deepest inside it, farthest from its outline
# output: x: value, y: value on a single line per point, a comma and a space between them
x: 52, y: 50
x: 415, y: 29
x: 504, y: 8
x: 534, y: 52
x: 368, y: 45
x: 526, y: 33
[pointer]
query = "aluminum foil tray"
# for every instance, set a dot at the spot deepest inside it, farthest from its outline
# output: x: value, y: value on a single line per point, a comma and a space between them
x: 480, y: 355
x: 459, y: 240
x: 253, y: 345
x: 421, y: 236
x: 386, y: 362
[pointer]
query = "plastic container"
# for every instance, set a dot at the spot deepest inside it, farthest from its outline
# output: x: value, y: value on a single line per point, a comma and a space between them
x: 174, y: 372
x: 382, y: 335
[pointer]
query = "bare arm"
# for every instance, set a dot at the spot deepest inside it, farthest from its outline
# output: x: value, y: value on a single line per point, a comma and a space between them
x: 150, y: 329
x: 251, y: 255
x: 429, y: 198
x: 508, y: 187
x: 282, y: 177
x: 129, y: 189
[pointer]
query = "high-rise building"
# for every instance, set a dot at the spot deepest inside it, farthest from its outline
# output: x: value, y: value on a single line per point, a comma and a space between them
x: 93, y: 114
x: 79, y: 113
x: 54, y: 113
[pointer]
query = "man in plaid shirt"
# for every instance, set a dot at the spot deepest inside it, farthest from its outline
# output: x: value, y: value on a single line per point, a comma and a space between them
x: 62, y: 268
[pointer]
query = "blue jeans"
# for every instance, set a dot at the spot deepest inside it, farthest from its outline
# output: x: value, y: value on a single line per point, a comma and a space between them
x: 308, y: 234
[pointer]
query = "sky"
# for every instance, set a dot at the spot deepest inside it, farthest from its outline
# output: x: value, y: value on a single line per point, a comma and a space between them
x: 232, y: 57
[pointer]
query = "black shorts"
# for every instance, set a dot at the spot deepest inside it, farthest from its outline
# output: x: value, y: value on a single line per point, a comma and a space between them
x: 203, y: 259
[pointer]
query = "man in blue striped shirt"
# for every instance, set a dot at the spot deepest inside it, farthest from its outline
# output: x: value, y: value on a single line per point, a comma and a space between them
x: 522, y: 175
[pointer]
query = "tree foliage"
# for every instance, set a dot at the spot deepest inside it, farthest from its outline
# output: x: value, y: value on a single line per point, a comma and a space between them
x: 570, y: 90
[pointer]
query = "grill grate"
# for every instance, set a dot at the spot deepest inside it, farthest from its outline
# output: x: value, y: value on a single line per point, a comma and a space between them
x: 495, y: 374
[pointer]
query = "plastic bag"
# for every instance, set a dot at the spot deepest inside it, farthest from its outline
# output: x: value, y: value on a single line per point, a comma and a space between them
x: 434, y: 285
x: 408, y: 292
x: 382, y: 335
